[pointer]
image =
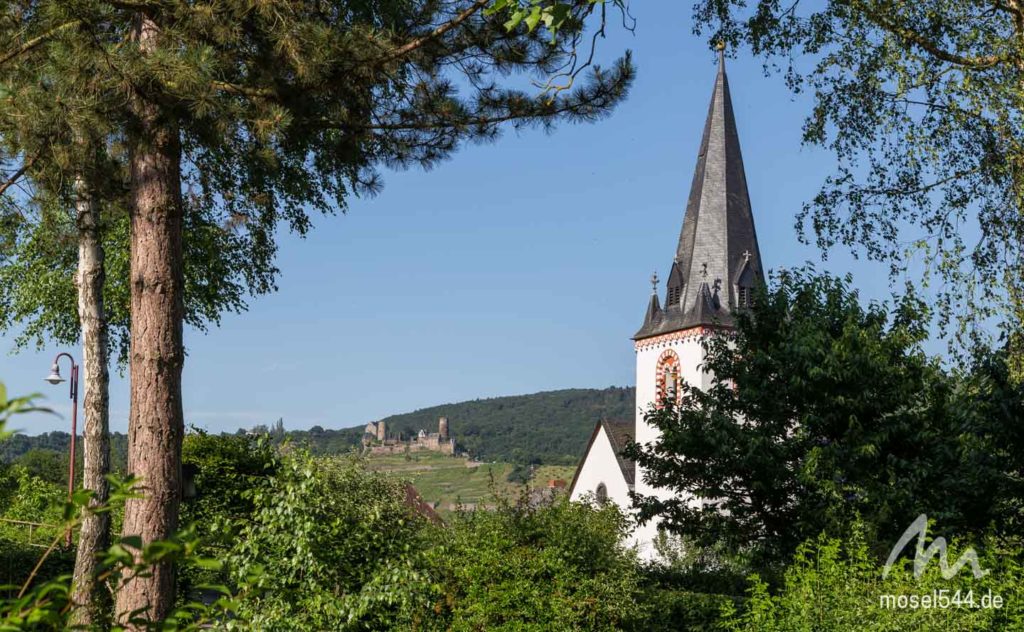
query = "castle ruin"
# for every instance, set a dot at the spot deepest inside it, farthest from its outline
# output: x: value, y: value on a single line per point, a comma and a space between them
x: 377, y: 440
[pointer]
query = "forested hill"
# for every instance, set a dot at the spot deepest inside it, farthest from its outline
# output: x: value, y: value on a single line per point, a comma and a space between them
x: 551, y: 428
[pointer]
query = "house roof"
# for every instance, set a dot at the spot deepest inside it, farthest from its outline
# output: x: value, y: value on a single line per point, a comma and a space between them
x: 415, y: 502
x: 620, y: 434
x: 717, y: 243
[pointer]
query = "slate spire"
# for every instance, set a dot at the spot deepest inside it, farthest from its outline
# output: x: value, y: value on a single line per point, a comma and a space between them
x: 717, y: 263
x: 653, y: 316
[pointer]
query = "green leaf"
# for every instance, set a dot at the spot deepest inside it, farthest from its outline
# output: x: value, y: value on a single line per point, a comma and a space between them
x: 498, y: 5
x: 208, y: 563
x: 516, y: 17
x: 534, y: 18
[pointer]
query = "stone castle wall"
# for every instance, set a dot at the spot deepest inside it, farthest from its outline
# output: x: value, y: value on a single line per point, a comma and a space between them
x: 376, y: 441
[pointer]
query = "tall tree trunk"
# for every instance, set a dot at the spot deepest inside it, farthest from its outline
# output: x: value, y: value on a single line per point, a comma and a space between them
x: 155, y: 422
x: 90, y: 595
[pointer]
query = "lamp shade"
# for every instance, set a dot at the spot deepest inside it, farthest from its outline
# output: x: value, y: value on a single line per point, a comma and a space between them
x: 54, y: 376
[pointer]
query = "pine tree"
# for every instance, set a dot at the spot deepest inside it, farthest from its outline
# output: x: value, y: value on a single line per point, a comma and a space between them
x: 266, y: 109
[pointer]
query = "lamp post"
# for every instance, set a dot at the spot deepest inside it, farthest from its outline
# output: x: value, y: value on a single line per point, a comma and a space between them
x: 55, y: 378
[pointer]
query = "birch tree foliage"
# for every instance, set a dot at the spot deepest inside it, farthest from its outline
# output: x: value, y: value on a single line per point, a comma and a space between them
x: 921, y: 103
x: 38, y: 298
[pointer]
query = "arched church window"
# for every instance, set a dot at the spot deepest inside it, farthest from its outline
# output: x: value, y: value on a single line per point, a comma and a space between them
x: 601, y: 493
x: 668, y: 377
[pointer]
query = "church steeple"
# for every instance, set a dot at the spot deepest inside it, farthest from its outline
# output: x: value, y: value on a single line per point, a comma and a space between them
x: 717, y: 263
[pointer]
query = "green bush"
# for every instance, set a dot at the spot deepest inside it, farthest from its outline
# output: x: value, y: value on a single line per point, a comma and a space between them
x: 552, y: 565
x: 33, y: 500
x: 17, y: 560
x: 834, y: 586
x: 329, y: 546
x: 224, y: 469
x: 682, y: 611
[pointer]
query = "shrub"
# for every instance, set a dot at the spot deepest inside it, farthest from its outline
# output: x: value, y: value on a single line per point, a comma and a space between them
x: 834, y: 586
x: 551, y: 565
x: 224, y: 469
x: 329, y: 546
x: 682, y: 611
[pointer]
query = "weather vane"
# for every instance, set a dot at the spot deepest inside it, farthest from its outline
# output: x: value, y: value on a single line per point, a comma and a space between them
x: 654, y: 282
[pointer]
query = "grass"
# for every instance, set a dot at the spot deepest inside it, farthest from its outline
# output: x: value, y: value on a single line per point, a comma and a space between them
x: 450, y: 481
x: 545, y: 473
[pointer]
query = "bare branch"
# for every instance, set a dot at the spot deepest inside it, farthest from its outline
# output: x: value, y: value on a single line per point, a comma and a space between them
x: 17, y: 174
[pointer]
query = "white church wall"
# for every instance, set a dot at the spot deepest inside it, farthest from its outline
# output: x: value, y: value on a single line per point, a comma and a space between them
x: 601, y: 466
x: 687, y: 347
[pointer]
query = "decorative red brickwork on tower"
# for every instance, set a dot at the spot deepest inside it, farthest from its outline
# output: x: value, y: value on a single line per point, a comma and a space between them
x: 668, y: 376
x: 665, y: 340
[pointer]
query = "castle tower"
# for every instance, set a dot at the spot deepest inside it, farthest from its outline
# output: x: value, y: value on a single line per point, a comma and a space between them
x: 442, y: 428
x: 381, y: 431
x: 716, y: 267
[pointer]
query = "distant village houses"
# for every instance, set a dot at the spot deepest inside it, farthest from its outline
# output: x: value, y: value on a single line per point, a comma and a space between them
x: 377, y: 440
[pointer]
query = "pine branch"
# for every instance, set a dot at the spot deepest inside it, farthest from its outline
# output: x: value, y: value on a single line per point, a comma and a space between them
x: 439, y: 125
x: 17, y: 174
x: 135, y: 6
x: 244, y: 90
x: 36, y: 41
x: 438, y: 32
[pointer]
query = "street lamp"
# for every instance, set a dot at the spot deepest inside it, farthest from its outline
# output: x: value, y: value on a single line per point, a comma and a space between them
x: 55, y: 378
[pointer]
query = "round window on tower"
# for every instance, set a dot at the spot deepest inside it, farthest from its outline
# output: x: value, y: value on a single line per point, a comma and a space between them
x: 601, y: 493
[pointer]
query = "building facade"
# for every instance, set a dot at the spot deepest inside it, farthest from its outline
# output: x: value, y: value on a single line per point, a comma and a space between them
x: 715, y: 270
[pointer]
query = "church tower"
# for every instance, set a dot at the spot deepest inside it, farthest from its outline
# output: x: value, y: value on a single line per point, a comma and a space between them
x: 715, y: 270
x: 716, y: 267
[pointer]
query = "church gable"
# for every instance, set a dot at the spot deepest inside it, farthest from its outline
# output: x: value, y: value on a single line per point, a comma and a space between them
x: 603, y: 472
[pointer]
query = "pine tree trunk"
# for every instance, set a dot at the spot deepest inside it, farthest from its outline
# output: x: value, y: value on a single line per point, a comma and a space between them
x: 155, y: 425
x: 90, y: 596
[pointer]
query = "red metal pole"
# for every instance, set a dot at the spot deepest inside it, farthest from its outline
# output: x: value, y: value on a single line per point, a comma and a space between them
x: 74, y: 434
x: 55, y: 378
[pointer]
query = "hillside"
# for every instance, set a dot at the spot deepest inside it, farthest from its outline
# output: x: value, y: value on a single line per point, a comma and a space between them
x: 446, y: 482
x: 550, y: 427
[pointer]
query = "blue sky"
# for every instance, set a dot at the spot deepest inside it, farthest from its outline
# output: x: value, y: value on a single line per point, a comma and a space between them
x: 517, y: 266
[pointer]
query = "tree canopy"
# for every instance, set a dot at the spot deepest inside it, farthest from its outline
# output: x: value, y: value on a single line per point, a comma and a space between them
x: 921, y: 105
x: 296, y: 120
x: 261, y: 113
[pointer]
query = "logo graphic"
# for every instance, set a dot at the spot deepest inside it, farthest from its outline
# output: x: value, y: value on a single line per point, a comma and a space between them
x: 924, y: 555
